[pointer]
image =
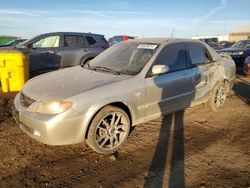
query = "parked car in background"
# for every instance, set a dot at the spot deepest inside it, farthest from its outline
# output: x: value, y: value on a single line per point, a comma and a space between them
x: 225, y: 44
x: 129, y: 83
x: 247, y: 66
x: 211, y: 41
x: 238, y: 51
x: 119, y: 38
x: 13, y: 42
x: 4, y: 39
x: 51, y: 51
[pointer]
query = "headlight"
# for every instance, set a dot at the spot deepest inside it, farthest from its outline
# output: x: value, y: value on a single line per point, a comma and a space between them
x: 237, y: 53
x: 51, y: 107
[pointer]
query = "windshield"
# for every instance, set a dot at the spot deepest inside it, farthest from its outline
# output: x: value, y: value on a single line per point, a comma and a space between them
x: 116, y: 40
x: 126, y: 58
x: 242, y: 44
x: 15, y: 42
x: 25, y: 42
x: 10, y: 42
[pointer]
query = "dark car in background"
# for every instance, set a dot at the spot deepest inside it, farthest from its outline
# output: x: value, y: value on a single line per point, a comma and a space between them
x: 211, y: 41
x: 238, y: 51
x: 51, y: 51
x: 225, y: 44
x: 119, y: 38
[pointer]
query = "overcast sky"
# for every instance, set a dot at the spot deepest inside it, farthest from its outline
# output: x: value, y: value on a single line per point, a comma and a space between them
x: 178, y: 18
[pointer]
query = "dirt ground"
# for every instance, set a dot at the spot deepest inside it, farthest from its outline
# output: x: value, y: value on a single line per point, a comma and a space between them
x: 192, y: 148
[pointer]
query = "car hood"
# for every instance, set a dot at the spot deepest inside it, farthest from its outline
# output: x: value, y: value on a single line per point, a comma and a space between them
x: 62, y: 84
x: 233, y: 49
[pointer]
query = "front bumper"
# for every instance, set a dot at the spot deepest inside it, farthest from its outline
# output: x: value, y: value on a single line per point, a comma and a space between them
x: 60, y: 129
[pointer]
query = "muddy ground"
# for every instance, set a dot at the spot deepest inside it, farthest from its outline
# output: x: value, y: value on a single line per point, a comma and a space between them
x: 192, y: 148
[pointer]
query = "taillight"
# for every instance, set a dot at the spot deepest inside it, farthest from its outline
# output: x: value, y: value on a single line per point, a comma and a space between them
x: 125, y: 38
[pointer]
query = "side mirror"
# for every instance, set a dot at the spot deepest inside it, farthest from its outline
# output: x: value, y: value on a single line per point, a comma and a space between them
x: 159, y: 69
x: 30, y: 45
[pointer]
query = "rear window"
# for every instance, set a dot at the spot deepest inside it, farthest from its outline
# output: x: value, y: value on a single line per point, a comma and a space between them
x: 104, y: 41
x: 174, y: 56
x: 196, y: 54
x: 91, y: 40
x: 73, y: 41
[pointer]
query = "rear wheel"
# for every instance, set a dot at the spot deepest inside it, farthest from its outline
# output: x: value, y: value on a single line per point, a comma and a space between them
x: 108, y: 130
x: 218, y: 96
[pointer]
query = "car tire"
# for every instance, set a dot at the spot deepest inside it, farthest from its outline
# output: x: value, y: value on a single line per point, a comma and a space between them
x: 218, y: 96
x: 108, y: 130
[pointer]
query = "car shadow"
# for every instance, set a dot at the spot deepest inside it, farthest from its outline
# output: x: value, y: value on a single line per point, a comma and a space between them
x: 157, y: 167
x: 177, y: 170
x: 169, y: 154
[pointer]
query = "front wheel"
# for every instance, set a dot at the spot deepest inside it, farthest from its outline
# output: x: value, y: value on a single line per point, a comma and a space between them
x: 108, y: 130
x: 218, y: 97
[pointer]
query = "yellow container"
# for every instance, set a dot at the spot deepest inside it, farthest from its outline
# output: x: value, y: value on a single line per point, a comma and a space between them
x: 14, y: 70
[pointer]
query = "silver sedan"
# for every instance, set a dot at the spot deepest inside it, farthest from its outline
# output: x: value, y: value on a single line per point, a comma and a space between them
x: 128, y: 84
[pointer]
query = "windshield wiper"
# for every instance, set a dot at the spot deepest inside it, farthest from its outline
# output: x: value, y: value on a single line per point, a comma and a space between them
x: 102, y: 68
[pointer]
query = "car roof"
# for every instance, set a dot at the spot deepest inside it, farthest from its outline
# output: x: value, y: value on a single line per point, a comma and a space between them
x: 244, y: 41
x: 122, y: 36
x: 71, y: 33
x: 164, y: 40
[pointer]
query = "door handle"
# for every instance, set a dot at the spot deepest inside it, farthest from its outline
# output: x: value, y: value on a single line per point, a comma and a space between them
x: 51, y: 52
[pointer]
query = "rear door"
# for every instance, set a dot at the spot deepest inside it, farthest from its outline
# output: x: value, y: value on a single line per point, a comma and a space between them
x: 203, y: 68
x: 170, y: 91
x: 72, y: 51
x: 42, y: 54
x: 93, y: 47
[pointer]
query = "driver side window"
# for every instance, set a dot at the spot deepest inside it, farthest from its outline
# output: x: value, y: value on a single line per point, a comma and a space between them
x: 174, y: 56
x: 47, y: 42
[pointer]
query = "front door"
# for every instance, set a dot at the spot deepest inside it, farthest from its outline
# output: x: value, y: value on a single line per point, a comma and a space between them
x: 170, y: 91
x: 42, y: 55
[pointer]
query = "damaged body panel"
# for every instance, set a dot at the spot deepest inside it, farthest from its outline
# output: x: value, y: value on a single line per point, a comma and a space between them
x: 130, y: 83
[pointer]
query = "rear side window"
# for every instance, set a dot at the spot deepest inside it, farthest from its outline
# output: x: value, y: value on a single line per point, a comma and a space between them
x: 103, y: 41
x: 73, y: 41
x: 196, y: 54
x: 91, y: 40
x: 174, y: 56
